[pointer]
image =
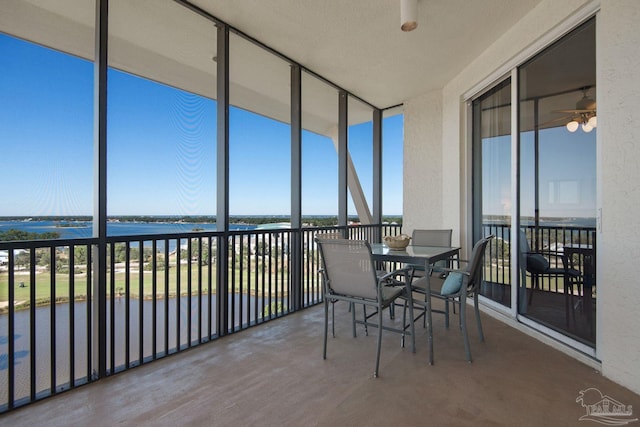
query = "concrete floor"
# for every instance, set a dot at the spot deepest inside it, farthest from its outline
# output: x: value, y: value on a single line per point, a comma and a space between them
x: 274, y: 375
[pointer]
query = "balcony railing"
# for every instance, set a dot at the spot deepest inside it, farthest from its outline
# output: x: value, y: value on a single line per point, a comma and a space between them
x: 541, y: 238
x: 161, y: 298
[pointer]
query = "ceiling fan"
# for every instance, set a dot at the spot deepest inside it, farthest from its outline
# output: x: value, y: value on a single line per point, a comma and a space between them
x: 583, y: 115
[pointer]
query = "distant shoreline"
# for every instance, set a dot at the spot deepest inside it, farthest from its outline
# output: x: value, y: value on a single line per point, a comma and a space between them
x: 71, y: 221
x: 16, y: 228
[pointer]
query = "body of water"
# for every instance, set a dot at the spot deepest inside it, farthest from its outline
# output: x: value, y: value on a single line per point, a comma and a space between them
x: 178, y: 319
x: 83, y: 229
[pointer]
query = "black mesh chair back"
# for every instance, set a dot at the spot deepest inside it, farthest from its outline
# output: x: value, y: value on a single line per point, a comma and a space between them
x: 349, y: 274
x: 349, y: 268
x: 431, y: 237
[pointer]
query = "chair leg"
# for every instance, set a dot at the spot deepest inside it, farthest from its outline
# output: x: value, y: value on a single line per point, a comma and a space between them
x: 404, y: 321
x: 375, y: 373
x: 463, y: 323
x: 326, y: 327
x: 477, y: 308
x: 534, y: 285
x: 352, y: 307
x: 446, y: 312
x: 333, y: 319
x: 570, y: 308
x: 412, y: 328
x: 364, y: 311
x: 568, y: 300
x: 424, y: 315
x: 453, y: 301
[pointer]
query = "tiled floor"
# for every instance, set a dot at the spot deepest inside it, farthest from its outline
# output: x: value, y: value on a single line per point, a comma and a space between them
x: 275, y: 375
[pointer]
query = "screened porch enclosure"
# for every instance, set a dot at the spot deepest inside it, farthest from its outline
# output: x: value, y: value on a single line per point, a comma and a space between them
x: 186, y: 111
x: 160, y: 109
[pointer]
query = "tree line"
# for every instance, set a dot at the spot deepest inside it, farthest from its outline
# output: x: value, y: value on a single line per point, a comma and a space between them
x: 13, y: 234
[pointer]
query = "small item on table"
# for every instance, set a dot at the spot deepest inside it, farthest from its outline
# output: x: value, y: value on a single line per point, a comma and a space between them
x: 399, y: 242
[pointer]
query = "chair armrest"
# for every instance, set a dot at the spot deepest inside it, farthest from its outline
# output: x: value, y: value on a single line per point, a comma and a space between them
x: 547, y: 253
x: 421, y: 267
x: 389, y: 279
x: 405, y: 269
x: 388, y: 276
x: 555, y: 254
x: 456, y: 270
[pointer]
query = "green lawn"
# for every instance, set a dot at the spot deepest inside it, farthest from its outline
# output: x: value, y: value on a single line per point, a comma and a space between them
x: 62, y: 285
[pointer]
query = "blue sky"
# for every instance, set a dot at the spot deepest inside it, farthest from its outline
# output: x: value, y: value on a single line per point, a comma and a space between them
x: 161, y: 147
x: 45, y: 130
x: 567, y: 174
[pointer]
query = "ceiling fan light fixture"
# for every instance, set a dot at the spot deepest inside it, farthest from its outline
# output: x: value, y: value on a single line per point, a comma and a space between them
x: 572, y: 126
x: 584, y: 115
x: 408, y: 15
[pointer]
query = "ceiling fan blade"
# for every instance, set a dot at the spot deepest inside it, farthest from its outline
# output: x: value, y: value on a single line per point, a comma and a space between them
x: 574, y: 111
x: 560, y: 119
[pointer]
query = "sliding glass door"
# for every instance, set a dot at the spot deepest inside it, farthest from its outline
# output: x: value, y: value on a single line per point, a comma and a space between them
x: 492, y: 186
x: 554, y: 141
x: 557, y: 187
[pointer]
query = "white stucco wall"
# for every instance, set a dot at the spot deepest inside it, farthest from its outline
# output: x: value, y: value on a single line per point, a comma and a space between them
x: 422, y: 193
x: 618, y: 65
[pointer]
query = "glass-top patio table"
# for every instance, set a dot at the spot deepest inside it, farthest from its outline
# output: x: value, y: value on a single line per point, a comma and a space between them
x: 426, y: 255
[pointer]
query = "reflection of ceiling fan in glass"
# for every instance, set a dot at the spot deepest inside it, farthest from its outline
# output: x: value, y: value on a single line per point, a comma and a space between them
x: 584, y: 114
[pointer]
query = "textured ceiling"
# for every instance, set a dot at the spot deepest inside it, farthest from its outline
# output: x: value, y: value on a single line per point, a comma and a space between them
x: 358, y: 44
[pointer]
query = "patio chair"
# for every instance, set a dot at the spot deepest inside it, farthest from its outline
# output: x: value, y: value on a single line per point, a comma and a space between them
x: 457, y: 287
x: 332, y: 235
x: 537, y: 264
x: 339, y: 235
x: 349, y: 274
x: 422, y: 237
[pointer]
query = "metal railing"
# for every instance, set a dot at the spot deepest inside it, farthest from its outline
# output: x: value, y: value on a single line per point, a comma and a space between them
x: 162, y: 295
x: 161, y: 298
x: 44, y: 346
x: 547, y: 239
